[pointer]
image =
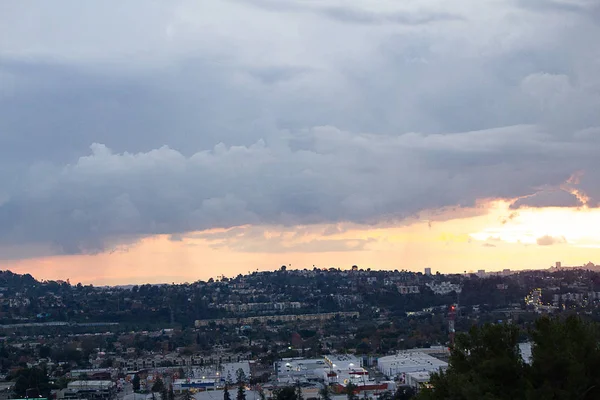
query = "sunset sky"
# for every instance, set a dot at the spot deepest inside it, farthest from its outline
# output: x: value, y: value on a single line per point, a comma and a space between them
x: 171, y: 141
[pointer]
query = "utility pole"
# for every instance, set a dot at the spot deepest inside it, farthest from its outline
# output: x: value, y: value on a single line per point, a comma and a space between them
x: 452, y: 313
x: 451, y: 328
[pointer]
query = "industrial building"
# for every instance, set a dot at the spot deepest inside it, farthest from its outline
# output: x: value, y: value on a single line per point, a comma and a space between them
x: 402, y: 363
x: 89, y: 390
x: 212, y: 378
x: 299, y: 369
x: 337, y: 371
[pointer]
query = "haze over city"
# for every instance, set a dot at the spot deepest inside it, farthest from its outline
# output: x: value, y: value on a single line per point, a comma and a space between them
x: 148, y: 141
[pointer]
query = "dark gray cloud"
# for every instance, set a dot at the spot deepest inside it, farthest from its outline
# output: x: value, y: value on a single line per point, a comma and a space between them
x: 356, y: 15
x: 366, y: 17
x: 548, y: 198
x: 584, y: 7
x: 184, y: 123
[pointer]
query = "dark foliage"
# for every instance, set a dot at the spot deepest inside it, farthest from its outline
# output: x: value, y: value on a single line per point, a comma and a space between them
x: 486, y: 364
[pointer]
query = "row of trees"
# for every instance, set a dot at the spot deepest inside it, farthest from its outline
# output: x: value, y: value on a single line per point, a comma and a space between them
x: 486, y: 363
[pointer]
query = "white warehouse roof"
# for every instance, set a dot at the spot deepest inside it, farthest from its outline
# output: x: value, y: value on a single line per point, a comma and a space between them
x: 405, y: 362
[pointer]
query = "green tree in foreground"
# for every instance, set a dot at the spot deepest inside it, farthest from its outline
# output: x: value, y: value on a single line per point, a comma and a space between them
x: 565, y: 360
x: 486, y: 364
x: 226, y: 395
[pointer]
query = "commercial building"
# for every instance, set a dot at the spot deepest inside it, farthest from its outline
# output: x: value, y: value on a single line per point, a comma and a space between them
x: 402, y: 363
x: 444, y: 287
x: 89, y: 390
x: 338, y: 371
x: 418, y: 379
x: 212, y: 377
x: 197, y: 384
x: 347, y: 369
x: 299, y: 369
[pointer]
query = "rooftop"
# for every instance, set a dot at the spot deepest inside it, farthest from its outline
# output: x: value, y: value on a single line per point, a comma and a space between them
x: 413, y: 360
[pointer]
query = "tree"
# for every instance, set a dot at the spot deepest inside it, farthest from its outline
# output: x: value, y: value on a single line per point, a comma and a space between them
x: 136, y: 383
x: 261, y: 393
x: 299, y: 395
x: 240, y: 376
x: 351, y: 391
x: 387, y: 395
x: 484, y: 364
x: 106, y: 363
x: 187, y: 395
x: 158, y: 386
x: 45, y: 351
x: 325, y: 395
x: 226, y: 395
x: 241, y: 393
x: 404, y: 393
x: 32, y: 378
x: 171, y: 393
x: 285, y: 393
x: 241, y: 382
x: 565, y: 359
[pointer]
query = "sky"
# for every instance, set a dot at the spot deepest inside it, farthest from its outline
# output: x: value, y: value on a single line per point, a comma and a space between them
x: 152, y: 141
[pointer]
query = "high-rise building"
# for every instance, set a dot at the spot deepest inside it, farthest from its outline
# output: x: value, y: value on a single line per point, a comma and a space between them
x: 427, y: 271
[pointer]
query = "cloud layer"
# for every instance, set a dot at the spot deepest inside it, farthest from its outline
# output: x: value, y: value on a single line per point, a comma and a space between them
x: 184, y: 116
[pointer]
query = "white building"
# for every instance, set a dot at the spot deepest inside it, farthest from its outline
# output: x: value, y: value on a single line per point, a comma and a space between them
x: 345, y: 368
x: 343, y: 361
x: 417, y: 379
x: 405, y: 362
x: 412, y: 289
x: 444, y: 288
x: 525, y: 349
x: 299, y: 369
x: 229, y: 370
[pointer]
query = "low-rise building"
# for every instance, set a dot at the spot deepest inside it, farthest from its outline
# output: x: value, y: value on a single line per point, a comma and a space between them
x: 404, y: 362
x: 89, y: 390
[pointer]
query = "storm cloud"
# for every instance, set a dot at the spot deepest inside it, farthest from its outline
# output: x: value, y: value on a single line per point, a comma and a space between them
x: 167, y: 118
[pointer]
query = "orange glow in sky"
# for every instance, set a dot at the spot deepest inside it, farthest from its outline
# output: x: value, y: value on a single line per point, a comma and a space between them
x: 491, y: 237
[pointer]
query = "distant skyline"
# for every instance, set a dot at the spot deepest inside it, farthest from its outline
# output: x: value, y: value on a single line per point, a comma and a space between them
x: 491, y: 238
x: 148, y: 141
